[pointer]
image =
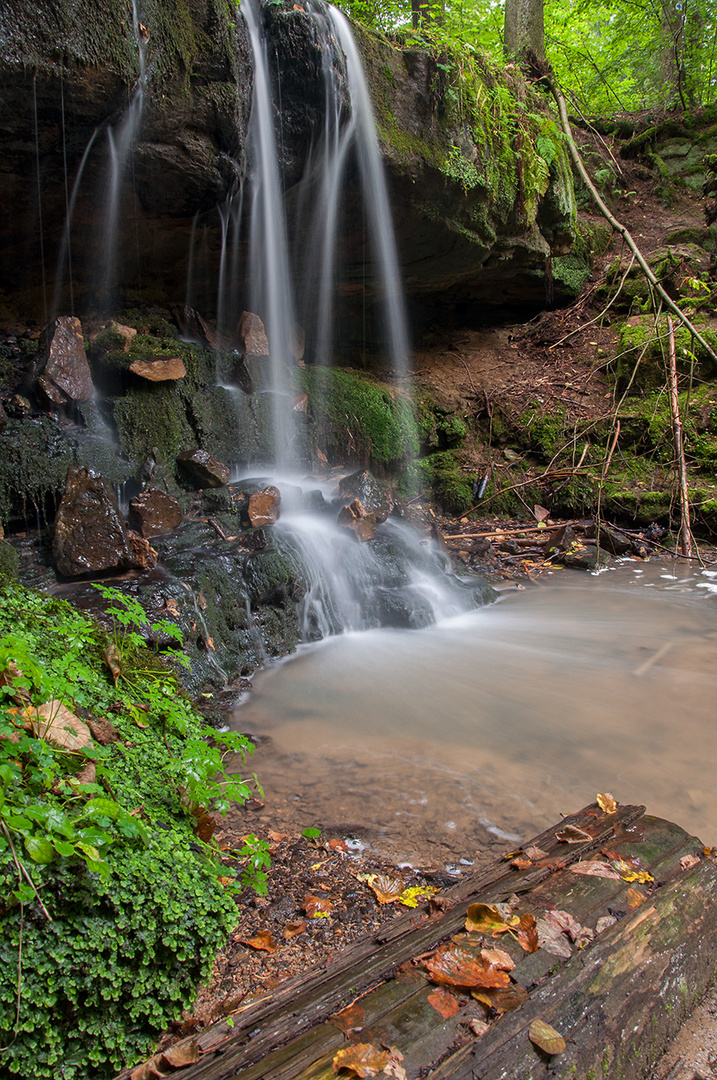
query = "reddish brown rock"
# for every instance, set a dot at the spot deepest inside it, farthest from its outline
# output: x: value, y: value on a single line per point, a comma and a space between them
x: 372, y: 493
x: 144, y: 557
x: 159, y: 370
x: 206, y: 470
x: 154, y: 512
x: 65, y: 374
x: 362, y: 522
x: 264, y: 507
x: 90, y: 532
x: 253, y: 334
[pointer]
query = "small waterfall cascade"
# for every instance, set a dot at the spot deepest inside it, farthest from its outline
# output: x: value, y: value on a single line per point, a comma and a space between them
x: 121, y: 139
x: 398, y: 580
x: 348, y: 135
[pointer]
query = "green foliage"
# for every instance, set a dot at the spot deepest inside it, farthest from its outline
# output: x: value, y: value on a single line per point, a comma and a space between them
x: 449, y: 484
x: 116, y: 900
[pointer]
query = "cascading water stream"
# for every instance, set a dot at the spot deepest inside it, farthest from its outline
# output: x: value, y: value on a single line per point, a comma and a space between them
x: 122, y: 139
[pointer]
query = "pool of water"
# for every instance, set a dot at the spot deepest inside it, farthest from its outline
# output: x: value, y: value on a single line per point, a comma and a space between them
x: 498, y: 722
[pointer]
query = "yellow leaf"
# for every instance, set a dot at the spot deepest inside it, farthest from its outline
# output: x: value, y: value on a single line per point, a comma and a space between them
x: 486, y: 919
x: 629, y: 873
x: 410, y: 897
x: 364, y: 1059
x: 546, y: 1037
x: 607, y: 803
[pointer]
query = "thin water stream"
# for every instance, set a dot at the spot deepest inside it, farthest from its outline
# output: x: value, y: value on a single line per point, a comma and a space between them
x: 504, y: 718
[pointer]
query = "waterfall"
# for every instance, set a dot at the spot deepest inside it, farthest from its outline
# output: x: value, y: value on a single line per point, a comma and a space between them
x: 121, y: 139
x: 348, y: 134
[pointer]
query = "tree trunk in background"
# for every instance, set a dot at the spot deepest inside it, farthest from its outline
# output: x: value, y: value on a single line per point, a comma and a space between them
x: 524, y: 32
x: 672, y: 63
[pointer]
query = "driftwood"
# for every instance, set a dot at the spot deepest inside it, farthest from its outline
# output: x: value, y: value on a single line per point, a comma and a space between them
x: 617, y: 1001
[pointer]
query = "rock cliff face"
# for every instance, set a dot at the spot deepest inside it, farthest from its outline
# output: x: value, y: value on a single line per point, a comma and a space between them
x: 480, y: 194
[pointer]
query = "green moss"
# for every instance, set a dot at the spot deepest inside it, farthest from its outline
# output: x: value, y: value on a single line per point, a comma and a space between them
x: 358, y: 420
x: 447, y: 481
x: 643, y: 346
x: 9, y: 563
x: 35, y: 455
x: 152, y: 424
x: 438, y: 427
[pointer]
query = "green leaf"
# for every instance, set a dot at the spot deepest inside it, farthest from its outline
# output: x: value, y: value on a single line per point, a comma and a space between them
x: 311, y: 833
x: 64, y: 848
x: 39, y: 849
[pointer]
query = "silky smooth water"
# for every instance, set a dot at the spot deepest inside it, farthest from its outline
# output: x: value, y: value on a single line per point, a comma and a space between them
x: 506, y: 717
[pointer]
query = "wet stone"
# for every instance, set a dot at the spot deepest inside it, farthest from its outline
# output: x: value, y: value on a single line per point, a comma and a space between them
x: 154, y: 512
x: 375, y: 496
x: 264, y: 507
x: 90, y: 533
x: 206, y: 470
x: 169, y: 370
x: 359, y: 520
x: 253, y: 334
x: 65, y: 372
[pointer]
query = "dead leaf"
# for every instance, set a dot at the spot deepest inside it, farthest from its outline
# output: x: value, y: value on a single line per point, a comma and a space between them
x: 536, y: 853
x: 606, y: 803
x: 571, y: 834
x: 553, y: 941
x: 604, y: 923
x: 317, y: 907
x: 55, y: 723
x: 262, y: 942
x: 386, y: 889
x: 498, y: 958
x: 635, y: 898
x: 478, y: 1027
x: 486, y: 919
x: 204, y: 824
x: 527, y: 933
x: 394, y: 1067
x: 521, y: 863
x: 338, y: 845
x: 444, y: 1003
x: 112, y: 658
x: 276, y: 837
x: 410, y: 897
x: 104, y: 731
x: 546, y: 1037
x: 688, y: 861
x: 293, y: 928
x: 13, y: 676
x: 628, y: 872
x: 505, y: 999
x: 364, y: 1059
x: 171, y: 604
x: 459, y: 967
x: 88, y: 775
x: 350, y: 1019
x: 540, y: 513
x: 182, y: 1054
x: 595, y: 868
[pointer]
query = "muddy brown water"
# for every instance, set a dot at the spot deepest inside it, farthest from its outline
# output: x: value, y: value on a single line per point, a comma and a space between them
x: 488, y: 727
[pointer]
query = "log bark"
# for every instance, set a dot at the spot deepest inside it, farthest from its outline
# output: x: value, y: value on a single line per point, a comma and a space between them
x: 686, y: 541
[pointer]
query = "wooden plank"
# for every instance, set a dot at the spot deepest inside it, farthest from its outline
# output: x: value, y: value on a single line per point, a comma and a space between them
x: 619, y: 1002
x: 303, y: 1003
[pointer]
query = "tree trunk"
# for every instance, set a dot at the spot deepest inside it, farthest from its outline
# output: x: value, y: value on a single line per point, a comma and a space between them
x: 524, y: 30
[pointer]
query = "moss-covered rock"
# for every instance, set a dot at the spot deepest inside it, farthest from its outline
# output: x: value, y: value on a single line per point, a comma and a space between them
x: 643, y: 347
x: 447, y: 481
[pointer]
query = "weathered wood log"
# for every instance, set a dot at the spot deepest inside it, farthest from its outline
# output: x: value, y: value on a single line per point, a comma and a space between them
x: 617, y: 1000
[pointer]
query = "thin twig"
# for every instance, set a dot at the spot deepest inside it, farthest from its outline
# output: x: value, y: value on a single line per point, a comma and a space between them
x: 23, y: 872
x: 685, y: 528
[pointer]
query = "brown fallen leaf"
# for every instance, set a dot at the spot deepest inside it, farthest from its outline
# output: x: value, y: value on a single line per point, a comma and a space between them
x: 553, y: 941
x: 606, y: 803
x: 536, y: 853
x: 604, y: 923
x: 385, y: 888
x: 635, y: 898
x: 498, y: 958
x: 171, y: 604
x: 338, y: 845
x: 293, y: 928
x: 595, y: 868
x: 55, y: 723
x: 546, y: 1037
x: 262, y: 942
x: 444, y: 1003
x: 276, y: 837
x: 688, y: 861
x: 317, y: 907
x: 352, y: 1018
x: 521, y: 863
x: 364, y: 1059
x: 571, y: 834
x: 182, y: 1054
x: 568, y: 924
x: 487, y: 919
x: 204, y: 824
x: 503, y: 999
x: 112, y: 658
x: 104, y: 731
x: 88, y: 775
x: 478, y: 1027
x: 527, y: 933
x: 459, y: 967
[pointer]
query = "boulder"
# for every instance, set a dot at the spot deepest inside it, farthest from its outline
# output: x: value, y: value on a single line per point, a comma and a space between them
x: 374, y: 495
x: 205, y: 469
x: 159, y: 370
x: 144, y: 557
x: 154, y: 512
x: 253, y: 334
x: 64, y: 372
x: 362, y: 522
x: 90, y: 532
x: 264, y: 507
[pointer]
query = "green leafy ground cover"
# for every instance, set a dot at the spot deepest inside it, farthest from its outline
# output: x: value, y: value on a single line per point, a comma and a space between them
x: 111, y: 906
